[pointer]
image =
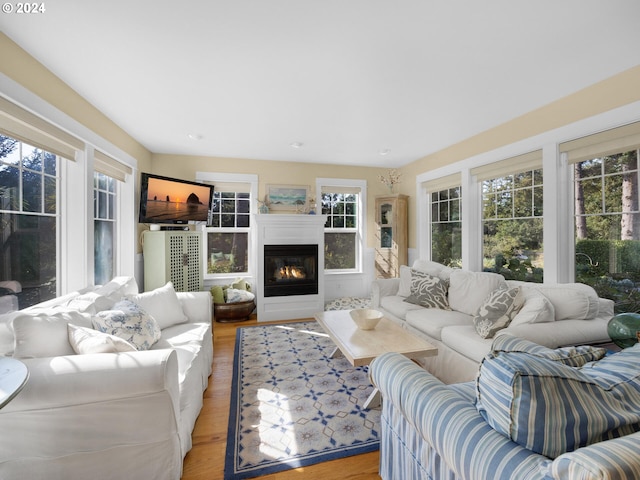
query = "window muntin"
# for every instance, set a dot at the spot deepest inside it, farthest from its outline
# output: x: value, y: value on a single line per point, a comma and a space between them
x: 446, y: 226
x: 513, y: 225
x: 104, y: 232
x: 341, y: 230
x: 227, y: 237
x: 607, y: 227
x: 28, y: 215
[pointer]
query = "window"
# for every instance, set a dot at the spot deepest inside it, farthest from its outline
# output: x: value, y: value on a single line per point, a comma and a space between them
x: 104, y: 202
x: 228, y: 232
x: 28, y: 215
x: 607, y: 227
x: 342, y: 204
x: 446, y: 220
x: 512, y: 224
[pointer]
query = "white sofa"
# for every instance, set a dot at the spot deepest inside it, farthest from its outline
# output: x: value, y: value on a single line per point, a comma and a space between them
x: 123, y: 415
x: 551, y: 315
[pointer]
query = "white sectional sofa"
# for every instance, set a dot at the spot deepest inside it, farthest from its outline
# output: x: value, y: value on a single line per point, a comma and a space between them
x: 123, y: 414
x: 550, y: 315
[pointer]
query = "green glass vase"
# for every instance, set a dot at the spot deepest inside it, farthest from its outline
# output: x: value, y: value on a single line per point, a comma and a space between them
x: 624, y: 329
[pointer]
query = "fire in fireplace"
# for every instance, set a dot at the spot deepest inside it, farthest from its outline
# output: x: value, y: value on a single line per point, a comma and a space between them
x: 290, y: 270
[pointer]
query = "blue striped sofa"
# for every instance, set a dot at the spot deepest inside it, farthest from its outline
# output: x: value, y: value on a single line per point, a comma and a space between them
x: 483, y: 429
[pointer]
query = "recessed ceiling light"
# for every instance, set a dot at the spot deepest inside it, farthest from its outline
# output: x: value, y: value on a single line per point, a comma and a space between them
x: 296, y: 145
x: 384, y: 151
x: 194, y: 136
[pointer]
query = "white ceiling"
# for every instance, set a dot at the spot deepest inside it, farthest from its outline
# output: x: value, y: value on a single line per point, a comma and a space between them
x: 346, y: 78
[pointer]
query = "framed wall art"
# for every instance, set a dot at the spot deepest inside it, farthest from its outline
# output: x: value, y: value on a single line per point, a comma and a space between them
x: 292, y: 198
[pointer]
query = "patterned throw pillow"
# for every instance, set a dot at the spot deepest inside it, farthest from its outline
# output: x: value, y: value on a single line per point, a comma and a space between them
x: 497, y: 311
x: 428, y: 291
x: 129, y: 321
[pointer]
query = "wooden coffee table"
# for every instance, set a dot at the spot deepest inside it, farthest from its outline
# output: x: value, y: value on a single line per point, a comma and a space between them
x: 360, y: 347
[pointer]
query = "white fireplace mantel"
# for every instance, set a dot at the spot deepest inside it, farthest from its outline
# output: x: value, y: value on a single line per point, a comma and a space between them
x: 283, y: 229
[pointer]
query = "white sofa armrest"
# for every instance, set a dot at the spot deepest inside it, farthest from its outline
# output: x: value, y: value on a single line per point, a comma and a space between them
x: 383, y: 287
x: 197, y: 306
x: 81, y: 407
x: 74, y: 379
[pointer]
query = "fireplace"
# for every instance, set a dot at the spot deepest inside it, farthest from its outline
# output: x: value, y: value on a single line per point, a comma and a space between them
x: 290, y: 270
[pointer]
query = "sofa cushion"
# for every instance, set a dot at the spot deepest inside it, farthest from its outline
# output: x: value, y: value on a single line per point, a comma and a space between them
x: 129, y: 321
x: 468, y: 290
x: 536, y: 308
x: 428, y: 291
x: 570, y: 300
x: 44, y: 334
x: 396, y: 305
x: 464, y: 340
x: 432, y: 321
x: 162, y: 304
x: 572, y: 356
x: 497, y: 311
x: 87, y: 340
x: 551, y: 408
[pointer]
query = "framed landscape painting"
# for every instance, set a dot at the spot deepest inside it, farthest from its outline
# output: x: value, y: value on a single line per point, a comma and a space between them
x: 287, y: 197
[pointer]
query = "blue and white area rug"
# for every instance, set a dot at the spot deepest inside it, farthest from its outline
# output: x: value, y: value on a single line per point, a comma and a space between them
x: 292, y: 405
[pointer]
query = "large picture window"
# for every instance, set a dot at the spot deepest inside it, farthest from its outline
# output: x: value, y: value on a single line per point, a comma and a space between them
x: 28, y: 219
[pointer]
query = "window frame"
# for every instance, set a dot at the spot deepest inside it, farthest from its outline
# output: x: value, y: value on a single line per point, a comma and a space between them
x: 361, y: 218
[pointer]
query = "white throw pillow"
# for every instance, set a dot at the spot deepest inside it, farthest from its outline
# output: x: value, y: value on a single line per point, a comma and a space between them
x: 91, y: 302
x: 129, y: 321
x: 162, y: 304
x: 467, y: 290
x: 433, y: 268
x: 87, y: 340
x: 45, y: 334
x: 536, y: 308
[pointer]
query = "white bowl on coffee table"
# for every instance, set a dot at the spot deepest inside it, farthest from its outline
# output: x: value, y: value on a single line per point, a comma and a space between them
x: 366, y: 318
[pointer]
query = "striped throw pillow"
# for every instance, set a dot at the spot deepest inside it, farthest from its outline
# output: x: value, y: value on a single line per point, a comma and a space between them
x: 551, y: 408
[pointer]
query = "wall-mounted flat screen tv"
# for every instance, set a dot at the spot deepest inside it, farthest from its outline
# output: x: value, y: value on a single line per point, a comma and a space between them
x: 171, y: 200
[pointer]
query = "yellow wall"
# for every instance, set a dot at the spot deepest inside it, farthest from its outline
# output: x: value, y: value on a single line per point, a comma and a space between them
x: 274, y: 172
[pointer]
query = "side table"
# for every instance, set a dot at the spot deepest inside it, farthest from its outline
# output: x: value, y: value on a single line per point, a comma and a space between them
x: 13, y: 377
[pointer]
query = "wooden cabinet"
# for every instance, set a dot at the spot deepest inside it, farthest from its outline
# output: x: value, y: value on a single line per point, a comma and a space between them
x: 173, y: 256
x: 391, y: 235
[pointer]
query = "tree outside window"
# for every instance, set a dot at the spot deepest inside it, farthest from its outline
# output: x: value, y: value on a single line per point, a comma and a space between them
x: 512, y: 226
x: 607, y: 227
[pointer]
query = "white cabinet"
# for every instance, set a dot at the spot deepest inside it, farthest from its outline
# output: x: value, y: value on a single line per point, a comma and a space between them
x: 173, y: 256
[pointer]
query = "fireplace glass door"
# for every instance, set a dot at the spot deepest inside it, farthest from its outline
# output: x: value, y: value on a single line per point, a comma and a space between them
x: 290, y: 270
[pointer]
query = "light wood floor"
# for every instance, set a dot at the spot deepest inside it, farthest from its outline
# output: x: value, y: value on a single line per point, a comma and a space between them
x: 205, y: 461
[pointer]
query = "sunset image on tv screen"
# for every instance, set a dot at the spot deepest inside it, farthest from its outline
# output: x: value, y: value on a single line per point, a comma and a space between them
x: 169, y: 200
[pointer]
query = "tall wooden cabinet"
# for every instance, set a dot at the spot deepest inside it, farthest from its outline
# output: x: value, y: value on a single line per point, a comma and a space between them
x: 174, y: 256
x: 391, y: 234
